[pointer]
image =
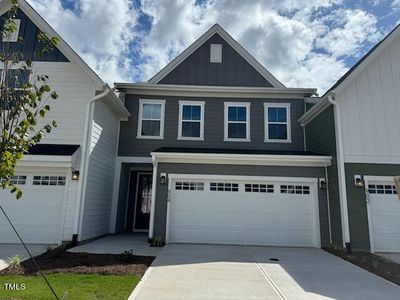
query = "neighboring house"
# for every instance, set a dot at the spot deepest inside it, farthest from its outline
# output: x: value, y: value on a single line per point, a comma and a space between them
x: 213, y: 153
x: 54, y: 207
x: 357, y: 122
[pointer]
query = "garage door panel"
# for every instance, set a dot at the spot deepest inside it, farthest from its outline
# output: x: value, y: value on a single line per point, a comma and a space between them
x: 255, y: 214
x: 38, y: 215
x: 384, y: 213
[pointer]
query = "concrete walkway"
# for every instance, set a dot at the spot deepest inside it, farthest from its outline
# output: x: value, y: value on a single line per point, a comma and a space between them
x: 115, y: 244
x: 9, y: 250
x: 236, y: 272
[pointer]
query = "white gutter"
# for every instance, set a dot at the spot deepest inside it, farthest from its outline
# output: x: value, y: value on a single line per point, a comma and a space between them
x: 341, y: 174
x: 85, y: 159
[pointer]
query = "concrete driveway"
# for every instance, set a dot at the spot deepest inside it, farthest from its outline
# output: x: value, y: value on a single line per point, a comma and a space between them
x: 237, y: 272
x: 8, y: 250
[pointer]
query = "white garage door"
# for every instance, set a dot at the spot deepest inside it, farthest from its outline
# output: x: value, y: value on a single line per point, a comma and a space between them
x: 384, y: 216
x: 38, y: 214
x: 242, y: 212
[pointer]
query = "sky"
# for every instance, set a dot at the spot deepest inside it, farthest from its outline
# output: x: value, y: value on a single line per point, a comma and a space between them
x: 303, y: 43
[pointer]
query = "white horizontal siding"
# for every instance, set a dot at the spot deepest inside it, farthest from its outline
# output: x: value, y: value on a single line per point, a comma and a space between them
x: 74, y: 88
x: 100, y: 174
x: 370, y: 106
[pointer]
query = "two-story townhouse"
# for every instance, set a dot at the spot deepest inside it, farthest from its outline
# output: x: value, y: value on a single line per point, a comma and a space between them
x: 213, y: 153
x: 65, y: 180
x: 357, y: 122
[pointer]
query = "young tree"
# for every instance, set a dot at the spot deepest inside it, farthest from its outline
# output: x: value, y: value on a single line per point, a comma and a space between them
x: 24, y: 101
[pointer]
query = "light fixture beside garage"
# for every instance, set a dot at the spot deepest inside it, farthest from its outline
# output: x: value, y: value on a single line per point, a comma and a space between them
x: 163, y: 178
x: 322, y: 183
x: 358, y: 181
x: 75, y: 175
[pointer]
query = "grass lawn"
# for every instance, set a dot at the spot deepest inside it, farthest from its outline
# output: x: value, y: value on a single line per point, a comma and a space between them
x: 78, y: 286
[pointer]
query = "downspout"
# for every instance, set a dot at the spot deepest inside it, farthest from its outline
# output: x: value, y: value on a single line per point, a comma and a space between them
x: 85, y: 161
x: 342, y: 176
x: 153, y: 198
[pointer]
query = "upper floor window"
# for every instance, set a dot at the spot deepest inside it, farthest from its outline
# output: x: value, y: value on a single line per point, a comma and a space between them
x: 13, y: 36
x: 151, y: 119
x: 216, y: 53
x: 237, y: 122
x: 191, y: 120
x: 277, y: 122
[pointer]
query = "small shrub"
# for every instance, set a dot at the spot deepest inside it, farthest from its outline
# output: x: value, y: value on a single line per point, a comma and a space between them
x: 57, y: 252
x: 15, y: 261
x: 157, y: 241
x: 126, y: 256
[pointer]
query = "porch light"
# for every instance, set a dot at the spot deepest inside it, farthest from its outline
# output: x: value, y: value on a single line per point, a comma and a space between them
x: 75, y: 175
x: 163, y: 178
x: 358, y: 181
x: 322, y: 183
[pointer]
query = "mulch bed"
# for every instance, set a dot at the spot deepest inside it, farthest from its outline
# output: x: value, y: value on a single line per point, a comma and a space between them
x: 82, y: 263
x: 370, y: 262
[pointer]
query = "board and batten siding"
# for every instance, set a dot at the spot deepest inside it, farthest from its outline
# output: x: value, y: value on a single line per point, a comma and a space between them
x: 370, y: 108
x: 99, y: 179
x: 243, y: 170
x: 74, y: 88
x: 320, y: 138
x: 130, y: 145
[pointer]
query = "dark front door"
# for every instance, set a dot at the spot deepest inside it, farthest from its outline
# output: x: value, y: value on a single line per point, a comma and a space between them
x: 143, y: 201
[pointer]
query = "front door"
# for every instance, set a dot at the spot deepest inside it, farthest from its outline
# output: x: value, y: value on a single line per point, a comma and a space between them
x: 143, y: 201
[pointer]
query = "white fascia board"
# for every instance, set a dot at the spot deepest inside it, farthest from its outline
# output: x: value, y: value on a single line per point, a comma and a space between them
x: 231, y: 41
x: 117, y: 104
x: 62, y: 45
x: 56, y: 161
x: 314, y: 111
x: 243, y: 159
x: 213, y: 91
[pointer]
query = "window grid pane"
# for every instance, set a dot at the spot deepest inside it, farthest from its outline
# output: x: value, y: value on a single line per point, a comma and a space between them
x: 237, y: 122
x: 277, y: 123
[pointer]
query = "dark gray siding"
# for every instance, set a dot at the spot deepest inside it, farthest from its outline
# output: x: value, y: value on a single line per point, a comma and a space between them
x: 122, y: 199
x: 320, y: 138
x: 129, y: 145
x: 30, y: 47
x: 233, y: 71
x: 358, y: 218
x: 244, y: 170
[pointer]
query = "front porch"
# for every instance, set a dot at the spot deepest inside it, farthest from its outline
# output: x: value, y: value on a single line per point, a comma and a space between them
x: 118, y: 243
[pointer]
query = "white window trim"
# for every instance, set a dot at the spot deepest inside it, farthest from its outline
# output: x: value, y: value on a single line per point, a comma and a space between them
x: 13, y: 36
x: 202, y: 112
x: 288, y: 123
x: 139, y: 131
x: 237, y: 104
x: 216, y: 49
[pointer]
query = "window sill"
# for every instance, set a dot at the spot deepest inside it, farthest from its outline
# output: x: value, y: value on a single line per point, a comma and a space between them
x: 278, y: 141
x: 150, y: 137
x: 190, y: 139
x: 237, y: 140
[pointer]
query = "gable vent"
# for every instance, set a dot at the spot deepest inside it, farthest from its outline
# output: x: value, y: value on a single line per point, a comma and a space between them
x: 216, y: 53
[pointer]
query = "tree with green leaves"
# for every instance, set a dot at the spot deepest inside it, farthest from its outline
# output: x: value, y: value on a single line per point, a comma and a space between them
x: 24, y: 100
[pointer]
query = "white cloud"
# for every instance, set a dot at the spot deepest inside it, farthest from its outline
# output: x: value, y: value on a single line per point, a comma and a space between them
x: 303, y: 43
x: 396, y: 5
x: 100, y: 31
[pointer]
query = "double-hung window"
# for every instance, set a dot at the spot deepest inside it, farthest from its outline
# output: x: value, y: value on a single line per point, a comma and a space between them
x: 151, y: 119
x: 237, y: 121
x: 191, y: 120
x: 277, y: 122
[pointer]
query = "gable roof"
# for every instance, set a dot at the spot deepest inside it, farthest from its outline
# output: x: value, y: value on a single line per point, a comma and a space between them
x: 66, y: 49
x: 231, y: 41
x: 348, y: 76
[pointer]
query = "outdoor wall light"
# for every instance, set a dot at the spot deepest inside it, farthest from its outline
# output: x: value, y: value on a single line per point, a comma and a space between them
x: 163, y: 178
x: 322, y: 183
x: 358, y: 181
x: 75, y: 175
